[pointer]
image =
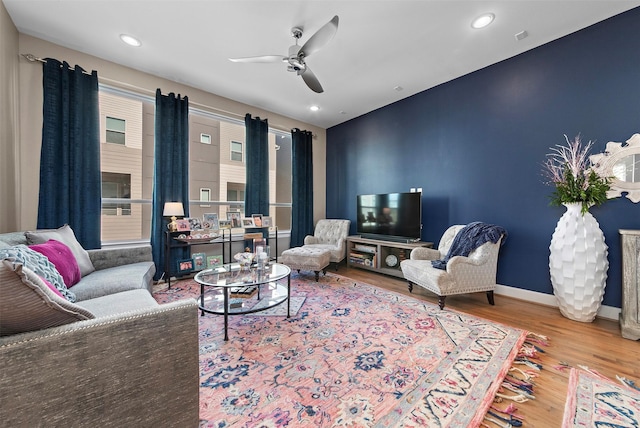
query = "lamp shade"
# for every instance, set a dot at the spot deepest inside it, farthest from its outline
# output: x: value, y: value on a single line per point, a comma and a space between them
x: 173, y: 209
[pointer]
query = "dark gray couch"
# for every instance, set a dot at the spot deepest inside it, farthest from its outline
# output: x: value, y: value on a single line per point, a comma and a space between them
x: 132, y: 363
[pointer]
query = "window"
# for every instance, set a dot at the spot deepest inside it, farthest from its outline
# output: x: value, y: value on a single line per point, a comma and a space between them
x: 123, y: 166
x: 216, y: 166
x: 116, y: 186
x: 115, y: 130
x: 205, y: 138
x: 235, y: 192
x: 205, y: 195
x: 236, y: 151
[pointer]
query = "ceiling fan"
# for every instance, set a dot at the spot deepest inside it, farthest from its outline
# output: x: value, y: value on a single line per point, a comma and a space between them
x: 298, y: 54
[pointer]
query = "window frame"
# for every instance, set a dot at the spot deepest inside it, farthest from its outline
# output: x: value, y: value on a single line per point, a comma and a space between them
x: 110, y: 131
x: 231, y: 151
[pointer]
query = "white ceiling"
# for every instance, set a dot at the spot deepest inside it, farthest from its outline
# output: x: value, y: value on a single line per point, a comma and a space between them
x: 380, y: 44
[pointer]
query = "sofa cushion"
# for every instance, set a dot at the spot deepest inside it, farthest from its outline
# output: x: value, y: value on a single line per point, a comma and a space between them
x: 51, y: 287
x: 118, y: 303
x: 28, y: 304
x: 62, y: 258
x: 10, y: 239
x: 115, y: 280
x: 39, y: 264
x: 65, y: 235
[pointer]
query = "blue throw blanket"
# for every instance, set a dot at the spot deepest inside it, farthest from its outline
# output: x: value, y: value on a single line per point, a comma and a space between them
x: 469, y: 238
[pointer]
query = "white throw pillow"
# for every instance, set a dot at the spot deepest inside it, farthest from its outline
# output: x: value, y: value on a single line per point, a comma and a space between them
x: 66, y: 236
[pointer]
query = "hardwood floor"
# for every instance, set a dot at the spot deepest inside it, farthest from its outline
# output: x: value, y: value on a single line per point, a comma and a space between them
x: 597, y: 345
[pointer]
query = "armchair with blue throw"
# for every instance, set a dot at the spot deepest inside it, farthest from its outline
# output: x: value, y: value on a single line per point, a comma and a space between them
x: 466, y: 261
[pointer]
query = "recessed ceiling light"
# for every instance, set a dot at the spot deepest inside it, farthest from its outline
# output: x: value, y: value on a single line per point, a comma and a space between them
x: 314, y: 108
x: 130, y: 40
x: 483, y: 20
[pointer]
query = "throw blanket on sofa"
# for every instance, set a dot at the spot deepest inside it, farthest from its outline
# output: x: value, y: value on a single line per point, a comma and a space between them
x: 469, y: 238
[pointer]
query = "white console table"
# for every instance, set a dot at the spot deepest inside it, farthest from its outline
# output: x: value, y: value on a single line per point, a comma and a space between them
x: 630, y: 316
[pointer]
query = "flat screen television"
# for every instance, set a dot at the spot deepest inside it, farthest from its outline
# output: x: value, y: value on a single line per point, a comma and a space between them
x: 393, y: 216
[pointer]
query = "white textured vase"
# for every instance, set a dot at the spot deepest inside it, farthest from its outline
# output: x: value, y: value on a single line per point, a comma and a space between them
x: 578, y: 264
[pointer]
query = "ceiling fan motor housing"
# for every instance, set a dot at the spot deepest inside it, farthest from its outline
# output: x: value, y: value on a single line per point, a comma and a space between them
x: 295, y: 59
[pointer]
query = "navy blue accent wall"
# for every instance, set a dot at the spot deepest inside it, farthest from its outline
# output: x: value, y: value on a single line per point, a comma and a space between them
x: 476, y: 144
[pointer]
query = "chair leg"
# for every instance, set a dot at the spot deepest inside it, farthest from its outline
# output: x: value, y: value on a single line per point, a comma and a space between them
x: 317, y: 272
x: 410, y: 286
x: 490, y: 298
x: 441, y: 301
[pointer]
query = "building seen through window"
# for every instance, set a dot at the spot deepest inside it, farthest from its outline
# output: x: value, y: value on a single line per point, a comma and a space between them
x: 116, y: 186
x: 217, y: 172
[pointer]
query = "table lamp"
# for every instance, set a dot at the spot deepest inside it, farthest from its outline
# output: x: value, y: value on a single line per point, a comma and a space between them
x: 173, y: 209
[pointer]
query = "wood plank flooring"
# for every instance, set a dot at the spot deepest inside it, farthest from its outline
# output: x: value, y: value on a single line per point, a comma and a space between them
x: 598, y: 345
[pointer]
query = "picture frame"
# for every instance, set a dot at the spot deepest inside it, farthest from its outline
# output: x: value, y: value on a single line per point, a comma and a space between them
x: 257, y: 220
x: 210, y: 221
x: 235, y: 217
x: 267, y: 221
x: 224, y: 224
x: 183, y: 225
x: 248, y: 222
x: 194, y: 223
x: 185, y: 266
x: 199, y: 261
x: 214, y: 261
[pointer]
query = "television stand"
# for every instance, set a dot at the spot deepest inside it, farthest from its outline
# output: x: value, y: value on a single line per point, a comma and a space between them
x: 379, y: 255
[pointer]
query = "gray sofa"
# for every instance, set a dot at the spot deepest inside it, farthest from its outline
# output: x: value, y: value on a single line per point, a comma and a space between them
x: 114, y: 358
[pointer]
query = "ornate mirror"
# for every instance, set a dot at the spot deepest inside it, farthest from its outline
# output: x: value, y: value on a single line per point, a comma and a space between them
x: 623, y: 164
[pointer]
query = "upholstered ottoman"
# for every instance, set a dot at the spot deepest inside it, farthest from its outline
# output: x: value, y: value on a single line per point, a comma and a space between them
x: 306, y: 258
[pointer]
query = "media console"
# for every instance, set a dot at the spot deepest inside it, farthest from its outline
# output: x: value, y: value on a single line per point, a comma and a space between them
x: 379, y: 255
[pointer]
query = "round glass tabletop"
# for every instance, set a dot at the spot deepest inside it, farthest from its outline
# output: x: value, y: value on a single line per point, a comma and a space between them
x: 233, y: 275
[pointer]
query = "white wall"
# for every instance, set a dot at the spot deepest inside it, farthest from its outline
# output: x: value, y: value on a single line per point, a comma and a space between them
x: 30, y: 100
x: 9, y: 127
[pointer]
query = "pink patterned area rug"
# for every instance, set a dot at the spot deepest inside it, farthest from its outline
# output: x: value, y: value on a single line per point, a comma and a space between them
x: 354, y: 355
x: 596, y: 401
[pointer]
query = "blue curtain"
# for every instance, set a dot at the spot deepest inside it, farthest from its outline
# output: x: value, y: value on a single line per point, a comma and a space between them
x: 170, y: 172
x: 301, y: 186
x: 256, y: 197
x: 70, y: 180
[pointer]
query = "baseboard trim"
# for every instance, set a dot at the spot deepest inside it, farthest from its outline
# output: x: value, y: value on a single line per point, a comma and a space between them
x: 608, y: 312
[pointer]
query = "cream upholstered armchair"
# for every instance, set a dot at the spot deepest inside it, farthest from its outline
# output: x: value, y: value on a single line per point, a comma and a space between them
x: 461, y: 274
x: 331, y: 235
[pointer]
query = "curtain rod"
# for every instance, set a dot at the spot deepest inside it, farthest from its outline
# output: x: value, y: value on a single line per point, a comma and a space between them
x: 32, y: 58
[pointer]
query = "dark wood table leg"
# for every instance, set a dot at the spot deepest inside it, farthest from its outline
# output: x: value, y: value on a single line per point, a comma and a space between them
x: 289, y: 296
x: 202, y: 299
x: 226, y: 313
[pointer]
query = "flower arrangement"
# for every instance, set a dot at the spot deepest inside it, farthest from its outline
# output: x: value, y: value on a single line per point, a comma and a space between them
x: 244, y: 259
x: 568, y: 169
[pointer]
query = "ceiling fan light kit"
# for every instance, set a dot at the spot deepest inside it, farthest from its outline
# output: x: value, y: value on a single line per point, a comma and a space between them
x: 296, y: 55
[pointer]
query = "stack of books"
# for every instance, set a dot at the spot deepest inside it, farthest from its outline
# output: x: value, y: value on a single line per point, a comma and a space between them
x: 364, y: 259
x: 243, y: 292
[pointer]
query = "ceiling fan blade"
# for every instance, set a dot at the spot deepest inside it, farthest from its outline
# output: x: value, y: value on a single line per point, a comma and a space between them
x: 263, y: 59
x: 321, y: 37
x: 311, y: 80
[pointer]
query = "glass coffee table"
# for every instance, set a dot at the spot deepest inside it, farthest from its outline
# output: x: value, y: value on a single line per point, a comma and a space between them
x: 234, y: 290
